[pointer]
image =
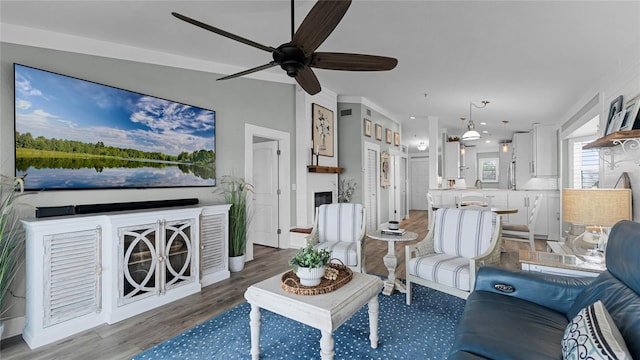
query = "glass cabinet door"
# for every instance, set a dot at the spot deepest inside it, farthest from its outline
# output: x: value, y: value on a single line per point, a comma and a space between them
x: 138, y: 263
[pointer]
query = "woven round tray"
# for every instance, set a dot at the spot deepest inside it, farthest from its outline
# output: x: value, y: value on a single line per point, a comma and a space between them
x: 291, y: 283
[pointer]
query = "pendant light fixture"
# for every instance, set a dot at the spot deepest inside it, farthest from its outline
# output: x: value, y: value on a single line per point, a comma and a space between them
x: 471, y: 133
x: 422, y: 146
x: 505, y: 145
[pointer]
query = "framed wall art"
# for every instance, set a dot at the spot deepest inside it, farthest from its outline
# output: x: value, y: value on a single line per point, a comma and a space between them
x: 322, y: 130
x: 632, y: 114
x: 367, y: 127
x: 396, y: 138
x: 388, y: 136
x: 615, y: 123
x: 385, y: 168
x: 614, y: 108
x: 378, y: 132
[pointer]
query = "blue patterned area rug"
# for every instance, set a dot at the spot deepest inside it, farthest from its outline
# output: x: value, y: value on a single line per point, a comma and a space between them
x: 423, y: 330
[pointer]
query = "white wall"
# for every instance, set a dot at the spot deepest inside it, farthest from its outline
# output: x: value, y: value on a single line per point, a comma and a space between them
x: 623, y: 81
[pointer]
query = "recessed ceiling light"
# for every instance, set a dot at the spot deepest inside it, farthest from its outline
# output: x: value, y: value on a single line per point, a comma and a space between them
x: 412, y: 117
x: 483, y: 123
x: 485, y: 131
x: 487, y: 141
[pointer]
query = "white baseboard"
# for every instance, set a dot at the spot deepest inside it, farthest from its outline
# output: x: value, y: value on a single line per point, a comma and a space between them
x: 13, y: 327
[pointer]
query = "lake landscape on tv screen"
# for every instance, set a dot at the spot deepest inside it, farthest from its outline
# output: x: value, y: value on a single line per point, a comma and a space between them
x: 77, y: 134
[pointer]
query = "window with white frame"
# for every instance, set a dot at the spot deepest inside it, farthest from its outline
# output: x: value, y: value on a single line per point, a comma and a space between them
x: 585, y: 172
x: 488, y: 169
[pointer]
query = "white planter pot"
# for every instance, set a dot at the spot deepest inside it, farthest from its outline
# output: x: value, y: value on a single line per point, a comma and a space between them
x: 310, y: 277
x: 236, y: 263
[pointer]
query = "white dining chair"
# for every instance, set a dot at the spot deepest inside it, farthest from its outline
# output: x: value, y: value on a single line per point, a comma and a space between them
x: 525, y: 230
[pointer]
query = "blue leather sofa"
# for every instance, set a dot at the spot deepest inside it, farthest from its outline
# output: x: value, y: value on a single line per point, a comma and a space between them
x: 523, y: 315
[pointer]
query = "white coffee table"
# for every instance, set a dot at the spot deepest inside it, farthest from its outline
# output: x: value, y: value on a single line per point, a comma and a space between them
x: 325, y: 312
x: 390, y: 259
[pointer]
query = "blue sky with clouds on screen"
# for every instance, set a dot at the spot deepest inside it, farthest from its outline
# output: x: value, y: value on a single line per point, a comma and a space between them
x: 62, y: 107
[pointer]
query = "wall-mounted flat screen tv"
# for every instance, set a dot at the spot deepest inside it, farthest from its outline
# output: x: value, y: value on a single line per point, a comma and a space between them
x: 77, y: 134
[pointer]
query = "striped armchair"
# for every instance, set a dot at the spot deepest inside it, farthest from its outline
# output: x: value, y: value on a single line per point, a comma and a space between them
x: 341, y: 229
x: 458, y: 242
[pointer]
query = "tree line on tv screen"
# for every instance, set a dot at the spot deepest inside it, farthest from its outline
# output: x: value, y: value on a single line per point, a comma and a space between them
x: 42, y: 144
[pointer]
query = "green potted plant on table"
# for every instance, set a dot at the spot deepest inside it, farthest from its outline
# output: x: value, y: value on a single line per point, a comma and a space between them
x: 236, y: 190
x: 11, y: 241
x: 309, y: 264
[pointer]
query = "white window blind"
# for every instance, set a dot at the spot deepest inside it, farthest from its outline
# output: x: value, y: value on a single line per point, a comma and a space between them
x: 586, y: 166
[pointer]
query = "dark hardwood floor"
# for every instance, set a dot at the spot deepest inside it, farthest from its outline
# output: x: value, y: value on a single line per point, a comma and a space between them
x: 129, y: 337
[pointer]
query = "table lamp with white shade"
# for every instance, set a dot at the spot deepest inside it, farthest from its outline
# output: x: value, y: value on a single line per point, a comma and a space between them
x: 597, y: 210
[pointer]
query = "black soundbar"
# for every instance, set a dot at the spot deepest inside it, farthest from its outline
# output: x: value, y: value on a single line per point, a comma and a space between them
x: 109, y: 207
x: 49, y: 211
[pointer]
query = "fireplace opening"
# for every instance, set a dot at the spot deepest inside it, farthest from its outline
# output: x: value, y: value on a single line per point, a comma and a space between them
x: 321, y: 198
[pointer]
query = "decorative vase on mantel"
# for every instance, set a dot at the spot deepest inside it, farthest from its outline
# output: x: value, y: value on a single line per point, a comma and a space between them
x: 236, y: 263
x: 310, y: 276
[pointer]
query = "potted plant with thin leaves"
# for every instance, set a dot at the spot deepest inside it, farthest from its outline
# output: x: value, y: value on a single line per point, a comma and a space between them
x: 309, y: 264
x: 236, y: 190
x: 11, y: 240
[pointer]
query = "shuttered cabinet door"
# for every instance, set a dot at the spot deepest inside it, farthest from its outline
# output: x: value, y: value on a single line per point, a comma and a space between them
x: 213, y: 243
x: 72, y: 285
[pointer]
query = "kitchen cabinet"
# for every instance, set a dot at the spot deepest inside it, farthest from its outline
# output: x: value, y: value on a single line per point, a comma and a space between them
x: 535, y: 154
x: 545, y: 151
x: 452, y: 160
x: 553, y: 215
x: 470, y: 166
x: 522, y: 156
x: 523, y: 201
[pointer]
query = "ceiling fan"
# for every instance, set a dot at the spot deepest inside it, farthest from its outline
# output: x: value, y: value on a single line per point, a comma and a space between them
x: 298, y: 56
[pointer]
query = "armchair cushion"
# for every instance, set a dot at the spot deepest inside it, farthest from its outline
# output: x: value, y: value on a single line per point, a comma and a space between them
x: 463, y: 233
x: 340, y: 222
x: 342, y: 250
x: 449, y: 270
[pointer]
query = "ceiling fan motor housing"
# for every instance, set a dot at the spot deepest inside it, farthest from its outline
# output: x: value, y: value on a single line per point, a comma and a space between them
x: 290, y: 58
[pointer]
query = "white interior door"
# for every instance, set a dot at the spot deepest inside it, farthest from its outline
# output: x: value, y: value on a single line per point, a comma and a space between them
x: 419, y: 183
x: 394, y: 195
x: 264, y: 221
x: 404, y: 212
x: 371, y: 187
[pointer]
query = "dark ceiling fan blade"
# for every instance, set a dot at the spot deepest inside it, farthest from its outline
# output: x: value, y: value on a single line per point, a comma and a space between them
x: 308, y: 81
x: 319, y: 23
x: 223, y: 33
x: 249, y: 71
x: 352, y: 62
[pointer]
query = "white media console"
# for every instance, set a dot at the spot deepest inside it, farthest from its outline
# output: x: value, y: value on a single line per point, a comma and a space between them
x: 86, y: 270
